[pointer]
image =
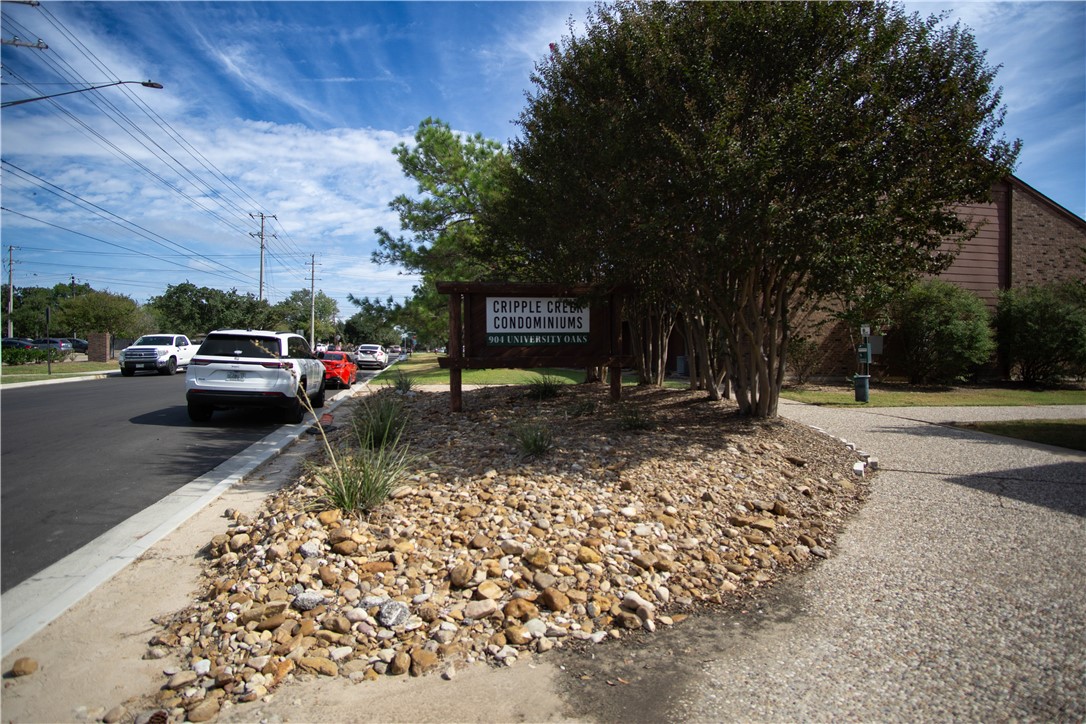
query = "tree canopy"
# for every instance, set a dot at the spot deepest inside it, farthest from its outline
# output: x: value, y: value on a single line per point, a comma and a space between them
x: 94, y: 311
x: 728, y: 159
x: 302, y: 306
x: 457, y: 176
x: 194, y: 311
x: 424, y: 315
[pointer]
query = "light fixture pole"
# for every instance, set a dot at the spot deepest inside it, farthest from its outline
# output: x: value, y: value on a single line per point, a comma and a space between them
x: 144, y: 83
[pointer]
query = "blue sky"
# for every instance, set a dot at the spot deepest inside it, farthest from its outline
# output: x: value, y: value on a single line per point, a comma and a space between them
x: 291, y: 109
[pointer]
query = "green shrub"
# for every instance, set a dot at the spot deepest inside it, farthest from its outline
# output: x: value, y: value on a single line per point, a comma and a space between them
x: 17, y: 356
x: 945, y: 332
x: 533, y: 439
x: 378, y: 419
x: 544, y: 387
x: 1041, y: 331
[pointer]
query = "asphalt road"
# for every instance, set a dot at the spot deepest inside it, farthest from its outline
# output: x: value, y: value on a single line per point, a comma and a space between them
x: 78, y: 458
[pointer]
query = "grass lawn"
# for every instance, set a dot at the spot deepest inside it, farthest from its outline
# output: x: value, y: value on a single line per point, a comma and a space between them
x: 892, y: 395
x: 10, y: 374
x: 423, y: 369
x: 1070, y: 434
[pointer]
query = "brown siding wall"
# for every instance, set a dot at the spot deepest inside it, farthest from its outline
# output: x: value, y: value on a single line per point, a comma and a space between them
x: 1048, y: 246
x: 980, y: 265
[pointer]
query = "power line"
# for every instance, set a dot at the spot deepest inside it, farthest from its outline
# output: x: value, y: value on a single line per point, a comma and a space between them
x: 111, y: 217
x: 125, y: 123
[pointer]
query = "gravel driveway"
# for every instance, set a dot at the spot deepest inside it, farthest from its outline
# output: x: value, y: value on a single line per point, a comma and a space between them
x: 956, y: 593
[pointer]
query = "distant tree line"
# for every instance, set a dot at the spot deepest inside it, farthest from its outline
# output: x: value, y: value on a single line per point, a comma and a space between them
x: 77, y: 310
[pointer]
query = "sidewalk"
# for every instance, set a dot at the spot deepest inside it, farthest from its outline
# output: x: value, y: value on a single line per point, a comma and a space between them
x: 955, y: 594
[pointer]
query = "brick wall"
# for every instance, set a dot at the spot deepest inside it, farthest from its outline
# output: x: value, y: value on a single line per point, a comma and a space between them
x: 1048, y: 244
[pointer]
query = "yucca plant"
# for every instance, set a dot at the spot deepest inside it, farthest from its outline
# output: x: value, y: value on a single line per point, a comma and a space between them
x: 544, y: 387
x: 362, y: 479
x: 402, y: 383
x: 365, y: 478
x: 532, y: 439
x: 378, y: 419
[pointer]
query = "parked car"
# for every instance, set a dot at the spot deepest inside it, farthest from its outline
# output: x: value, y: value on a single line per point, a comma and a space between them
x: 162, y: 353
x: 372, y: 356
x: 339, y: 368
x: 79, y: 345
x: 395, y: 351
x: 54, y: 343
x: 253, y: 368
x: 17, y: 343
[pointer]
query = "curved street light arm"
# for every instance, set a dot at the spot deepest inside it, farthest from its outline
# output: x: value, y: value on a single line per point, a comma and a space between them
x: 144, y: 83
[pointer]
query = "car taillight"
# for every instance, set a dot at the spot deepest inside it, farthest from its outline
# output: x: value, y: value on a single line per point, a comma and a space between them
x: 278, y: 365
x: 199, y: 361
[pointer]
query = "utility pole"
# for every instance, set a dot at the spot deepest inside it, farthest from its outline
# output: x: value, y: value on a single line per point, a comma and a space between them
x: 261, y: 236
x: 11, y: 287
x: 312, y: 299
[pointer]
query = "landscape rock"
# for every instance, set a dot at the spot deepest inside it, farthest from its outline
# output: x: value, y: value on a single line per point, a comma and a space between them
x: 490, y: 556
x: 24, y: 666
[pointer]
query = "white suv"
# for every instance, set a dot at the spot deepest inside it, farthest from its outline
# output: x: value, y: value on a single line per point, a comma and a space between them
x: 253, y: 368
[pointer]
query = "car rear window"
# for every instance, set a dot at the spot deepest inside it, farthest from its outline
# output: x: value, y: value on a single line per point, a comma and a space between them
x: 240, y: 345
x: 336, y: 356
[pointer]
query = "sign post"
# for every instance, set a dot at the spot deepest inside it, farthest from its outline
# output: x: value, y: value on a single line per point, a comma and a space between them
x: 48, y: 351
x: 863, y: 379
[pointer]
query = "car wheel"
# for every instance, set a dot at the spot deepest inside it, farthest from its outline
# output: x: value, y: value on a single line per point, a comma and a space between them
x: 199, y: 413
x: 170, y: 368
x: 318, y: 399
x: 127, y: 373
x: 294, y: 413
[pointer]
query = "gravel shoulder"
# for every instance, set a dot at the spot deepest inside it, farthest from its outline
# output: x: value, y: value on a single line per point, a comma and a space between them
x: 510, y: 569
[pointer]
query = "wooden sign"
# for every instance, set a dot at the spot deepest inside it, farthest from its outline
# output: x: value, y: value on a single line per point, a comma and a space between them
x: 526, y: 326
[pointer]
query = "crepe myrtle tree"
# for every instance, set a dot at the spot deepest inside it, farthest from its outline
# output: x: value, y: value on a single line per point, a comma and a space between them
x: 752, y: 155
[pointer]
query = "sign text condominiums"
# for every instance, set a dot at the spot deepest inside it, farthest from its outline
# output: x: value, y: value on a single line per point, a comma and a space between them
x: 533, y: 321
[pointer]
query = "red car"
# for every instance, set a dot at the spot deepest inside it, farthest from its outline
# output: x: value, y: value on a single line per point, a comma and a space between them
x: 339, y: 368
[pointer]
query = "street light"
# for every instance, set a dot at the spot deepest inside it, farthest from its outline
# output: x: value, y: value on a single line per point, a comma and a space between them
x: 144, y: 83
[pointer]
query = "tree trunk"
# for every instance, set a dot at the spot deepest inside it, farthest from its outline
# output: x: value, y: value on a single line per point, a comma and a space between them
x: 649, y: 333
x: 709, y: 353
x: 757, y: 336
